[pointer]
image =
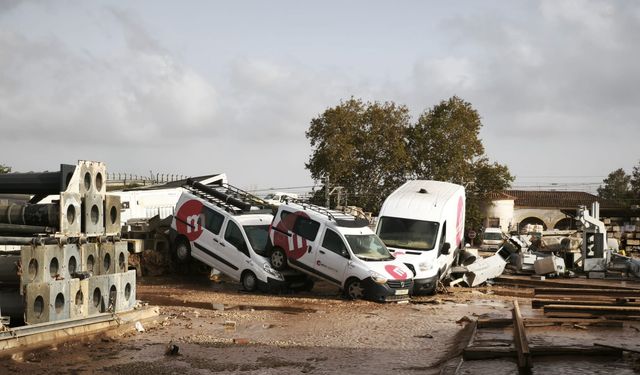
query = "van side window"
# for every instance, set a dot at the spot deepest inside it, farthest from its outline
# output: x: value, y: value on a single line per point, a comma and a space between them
x: 306, y: 228
x: 443, y: 236
x: 333, y: 242
x: 233, y: 235
x: 212, y: 220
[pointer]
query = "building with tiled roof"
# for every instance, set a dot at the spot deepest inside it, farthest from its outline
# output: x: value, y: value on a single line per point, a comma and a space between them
x: 514, y: 209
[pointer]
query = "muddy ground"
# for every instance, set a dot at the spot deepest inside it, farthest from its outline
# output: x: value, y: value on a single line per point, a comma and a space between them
x: 217, y: 328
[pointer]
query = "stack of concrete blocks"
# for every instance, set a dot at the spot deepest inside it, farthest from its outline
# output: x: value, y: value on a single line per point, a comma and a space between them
x: 88, y: 275
x: 626, y: 232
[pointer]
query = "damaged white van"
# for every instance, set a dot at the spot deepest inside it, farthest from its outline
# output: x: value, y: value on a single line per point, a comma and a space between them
x: 422, y: 224
x: 338, y: 248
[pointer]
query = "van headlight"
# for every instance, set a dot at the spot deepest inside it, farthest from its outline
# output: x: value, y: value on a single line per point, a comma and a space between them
x: 425, y: 266
x: 378, y: 278
x: 268, y: 269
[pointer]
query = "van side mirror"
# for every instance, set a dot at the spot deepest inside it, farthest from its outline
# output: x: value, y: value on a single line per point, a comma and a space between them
x: 445, y: 248
x: 345, y: 253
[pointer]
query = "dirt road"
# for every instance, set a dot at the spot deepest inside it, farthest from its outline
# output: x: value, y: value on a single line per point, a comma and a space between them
x: 216, y: 328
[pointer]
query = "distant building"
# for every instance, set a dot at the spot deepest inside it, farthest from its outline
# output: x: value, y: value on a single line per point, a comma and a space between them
x: 512, y: 210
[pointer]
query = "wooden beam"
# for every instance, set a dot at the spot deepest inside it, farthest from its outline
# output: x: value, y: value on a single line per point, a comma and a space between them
x: 617, y: 293
x: 623, y: 348
x: 527, y: 281
x: 540, y: 303
x: 500, y: 323
x: 520, y: 338
x: 492, y: 352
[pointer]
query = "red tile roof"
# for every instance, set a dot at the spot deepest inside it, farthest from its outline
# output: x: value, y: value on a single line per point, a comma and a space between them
x: 553, y: 199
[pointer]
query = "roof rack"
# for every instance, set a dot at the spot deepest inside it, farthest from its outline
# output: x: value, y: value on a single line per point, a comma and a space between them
x: 227, y: 197
x: 341, y: 218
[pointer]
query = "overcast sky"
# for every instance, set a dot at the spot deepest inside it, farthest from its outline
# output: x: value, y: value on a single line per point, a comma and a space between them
x: 196, y: 87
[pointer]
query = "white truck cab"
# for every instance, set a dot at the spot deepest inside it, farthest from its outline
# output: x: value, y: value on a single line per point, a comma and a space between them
x: 337, y: 248
x: 422, y: 224
x: 492, y: 239
x: 232, y: 239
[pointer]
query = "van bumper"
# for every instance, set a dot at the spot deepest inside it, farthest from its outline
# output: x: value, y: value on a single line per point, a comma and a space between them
x: 272, y: 285
x: 384, y: 292
x: 426, y: 285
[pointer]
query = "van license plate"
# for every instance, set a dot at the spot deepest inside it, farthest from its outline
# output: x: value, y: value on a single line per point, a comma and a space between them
x: 402, y: 292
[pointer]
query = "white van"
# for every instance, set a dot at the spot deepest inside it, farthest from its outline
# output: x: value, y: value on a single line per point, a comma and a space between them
x: 337, y: 248
x: 277, y: 198
x: 228, y: 238
x: 422, y: 224
x: 492, y: 239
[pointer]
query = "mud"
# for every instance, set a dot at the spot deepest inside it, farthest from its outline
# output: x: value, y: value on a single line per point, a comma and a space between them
x: 218, y: 329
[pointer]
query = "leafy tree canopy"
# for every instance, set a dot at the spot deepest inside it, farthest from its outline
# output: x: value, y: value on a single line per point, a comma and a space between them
x: 371, y: 148
x: 622, y: 187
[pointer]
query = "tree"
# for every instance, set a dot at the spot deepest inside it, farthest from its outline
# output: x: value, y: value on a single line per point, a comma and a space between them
x: 361, y: 147
x: 4, y: 169
x: 445, y: 142
x: 372, y: 148
x: 635, y: 184
x: 616, y: 187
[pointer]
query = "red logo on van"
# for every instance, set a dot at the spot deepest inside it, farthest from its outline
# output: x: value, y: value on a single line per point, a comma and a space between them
x: 295, y: 246
x: 459, y: 224
x: 396, y: 272
x: 189, y: 220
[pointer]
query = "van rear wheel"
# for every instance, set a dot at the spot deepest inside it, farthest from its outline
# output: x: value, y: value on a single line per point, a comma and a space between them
x: 182, y: 251
x: 278, y: 259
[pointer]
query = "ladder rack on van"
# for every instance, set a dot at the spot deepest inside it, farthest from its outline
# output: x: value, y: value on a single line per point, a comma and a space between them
x: 232, y: 199
x: 341, y: 218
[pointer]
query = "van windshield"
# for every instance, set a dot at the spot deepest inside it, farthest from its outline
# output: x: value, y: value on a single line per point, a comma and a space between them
x: 368, y: 247
x: 258, y: 235
x: 270, y: 196
x: 408, y: 233
x: 493, y: 236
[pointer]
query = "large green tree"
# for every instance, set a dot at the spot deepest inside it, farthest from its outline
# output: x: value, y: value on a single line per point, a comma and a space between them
x: 4, y: 169
x: 635, y: 184
x: 372, y: 148
x: 616, y: 187
x: 360, y: 146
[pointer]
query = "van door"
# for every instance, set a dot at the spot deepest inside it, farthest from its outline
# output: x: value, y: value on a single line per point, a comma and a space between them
x: 302, y: 250
x: 444, y: 260
x: 332, y: 257
x: 235, y: 249
x: 206, y: 248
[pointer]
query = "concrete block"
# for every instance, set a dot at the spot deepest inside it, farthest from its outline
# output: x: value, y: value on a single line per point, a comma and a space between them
x: 72, y: 259
x: 70, y: 214
x: 47, y: 302
x: 121, y: 256
x: 93, y: 215
x: 98, y: 300
x: 90, y: 257
x: 42, y: 264
x: 112, y: 215
x: 78, y: 298
x: 93, y: 178
x: 107, y: 263
x: 126, y: 299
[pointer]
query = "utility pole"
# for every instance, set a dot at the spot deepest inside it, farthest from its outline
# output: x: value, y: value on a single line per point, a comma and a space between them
x: 327, y: 194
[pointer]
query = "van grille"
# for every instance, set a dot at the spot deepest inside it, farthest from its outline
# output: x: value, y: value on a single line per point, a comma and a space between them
x: 400, y: 284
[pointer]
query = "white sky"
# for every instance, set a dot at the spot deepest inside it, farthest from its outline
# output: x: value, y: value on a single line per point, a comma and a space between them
x: 197, y: 87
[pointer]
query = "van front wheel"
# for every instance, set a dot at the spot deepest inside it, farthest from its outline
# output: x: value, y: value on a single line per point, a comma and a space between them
x: 249, y: 281
x: 354, y: 290
x: 182, y: 251
x: 278, y: 259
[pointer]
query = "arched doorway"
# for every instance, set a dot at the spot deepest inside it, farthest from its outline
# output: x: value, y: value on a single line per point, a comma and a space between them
x: 567, y: 223
x: 531, y: 220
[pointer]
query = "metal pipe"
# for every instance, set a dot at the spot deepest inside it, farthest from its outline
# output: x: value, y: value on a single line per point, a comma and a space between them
x: 9, y: 268
x: 37, y: 183
x: 47, y: 215
x: 24, y: 229
x: 5, y: 240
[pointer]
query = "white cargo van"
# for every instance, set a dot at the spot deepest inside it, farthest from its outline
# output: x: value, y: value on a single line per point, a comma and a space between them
x: 276, y: 199
x: 422, y: 224
x: 338, y: 248
x: 492, y: 239
x: 218, y: 229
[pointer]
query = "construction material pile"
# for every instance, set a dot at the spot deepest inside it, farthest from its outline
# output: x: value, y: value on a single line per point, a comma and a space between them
x: 64, y: 259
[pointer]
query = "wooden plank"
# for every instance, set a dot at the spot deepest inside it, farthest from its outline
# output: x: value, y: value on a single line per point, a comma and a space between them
x: 520, y: 338
x: 540, y: 303
x: 582, y: 297
x: 618, y: 293
x: 595, y: 309
x: 501, y: 323
x: 493, y: 352
x: 623, y: 348
x: 566, y: 283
